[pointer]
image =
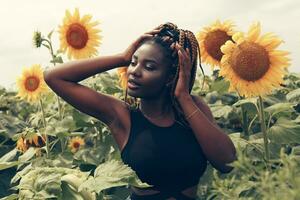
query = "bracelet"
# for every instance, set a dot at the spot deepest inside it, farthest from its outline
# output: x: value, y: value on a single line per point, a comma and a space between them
x: 192, y: 114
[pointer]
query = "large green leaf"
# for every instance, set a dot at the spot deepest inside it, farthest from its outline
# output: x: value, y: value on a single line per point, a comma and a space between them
x: 221, y: 111
x: 6, y: 161
x: 246, y: 101
x: 279, y: 108
x: 45, y: 182
x: 93, y: 156
x: 70, y: 185
x: 293, y: 95
x: 6, y: 165
x: 27, y: 155
x: 221, y: 86
x: 284, y: 131
x: 9, y: 156
x: 112, y: 173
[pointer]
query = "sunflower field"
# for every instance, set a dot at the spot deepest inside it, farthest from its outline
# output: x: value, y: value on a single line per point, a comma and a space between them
x: 50, y: 150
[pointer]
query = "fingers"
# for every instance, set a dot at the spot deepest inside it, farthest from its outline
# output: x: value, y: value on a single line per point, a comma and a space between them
x: 153, y: 32
x: 180, y: 49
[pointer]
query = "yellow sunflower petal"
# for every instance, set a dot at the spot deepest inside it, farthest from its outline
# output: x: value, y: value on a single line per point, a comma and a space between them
x: 254, y: 32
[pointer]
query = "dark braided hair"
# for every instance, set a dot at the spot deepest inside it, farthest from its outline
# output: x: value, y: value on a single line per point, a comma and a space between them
x: 168, y: 35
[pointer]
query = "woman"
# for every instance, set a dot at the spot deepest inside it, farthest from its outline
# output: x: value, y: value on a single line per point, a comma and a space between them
x: 168, y: 139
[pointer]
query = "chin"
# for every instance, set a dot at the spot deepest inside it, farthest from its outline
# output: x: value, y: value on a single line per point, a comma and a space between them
x: 133, y: 93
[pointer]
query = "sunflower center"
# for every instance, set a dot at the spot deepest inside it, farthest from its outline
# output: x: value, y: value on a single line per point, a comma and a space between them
x: 32, y: 83
x: 76, y: 145
x: 213, y: 41
x: 77, y: 36
x: 250, y: 61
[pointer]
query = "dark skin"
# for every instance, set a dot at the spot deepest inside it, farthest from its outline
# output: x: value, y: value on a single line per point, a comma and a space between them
x: 63, y: 80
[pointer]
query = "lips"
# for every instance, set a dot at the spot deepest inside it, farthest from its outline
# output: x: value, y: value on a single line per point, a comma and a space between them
x: 134, y: 83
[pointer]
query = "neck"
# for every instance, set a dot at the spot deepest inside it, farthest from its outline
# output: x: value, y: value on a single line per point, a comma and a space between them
x: 156, y: 107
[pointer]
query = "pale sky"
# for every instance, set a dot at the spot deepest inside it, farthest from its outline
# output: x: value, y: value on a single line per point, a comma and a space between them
x: 123, y: 21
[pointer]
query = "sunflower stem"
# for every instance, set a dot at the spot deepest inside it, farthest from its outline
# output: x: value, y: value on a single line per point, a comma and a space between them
x: 62, y: 142
x: 263, y: 127
x: 245, y: 123
x: 44, y: 122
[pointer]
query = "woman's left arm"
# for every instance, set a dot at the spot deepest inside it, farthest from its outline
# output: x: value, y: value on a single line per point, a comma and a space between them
x: 216, y: 144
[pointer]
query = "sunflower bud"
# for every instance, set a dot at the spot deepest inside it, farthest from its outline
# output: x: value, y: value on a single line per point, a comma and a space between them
x: 37, y: 39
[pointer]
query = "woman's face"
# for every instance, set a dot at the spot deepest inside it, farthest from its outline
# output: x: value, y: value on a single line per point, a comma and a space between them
x: 149, y: 70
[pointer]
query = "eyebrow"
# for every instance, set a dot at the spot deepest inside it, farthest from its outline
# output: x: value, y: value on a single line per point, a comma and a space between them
x: 147, y: 60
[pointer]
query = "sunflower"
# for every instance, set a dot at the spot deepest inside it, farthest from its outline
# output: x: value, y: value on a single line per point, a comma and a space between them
x: 31, y: 84
x: 122, y: 76
x: 78, y: 36
x: 252, y: 64
x: 76, y: 143
x: 21, y: 145
x: 30, y: 140
x: 212, y: 38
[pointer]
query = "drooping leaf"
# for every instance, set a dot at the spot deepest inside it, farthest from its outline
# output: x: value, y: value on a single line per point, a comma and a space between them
x: 246, y: 101
x: 279, y: 108
x: 112, y: 173
x: 9, y: 156
x: 221, y: 111
x: 293, y: 95
x: 50, y: 34
x: 45, y: 182
x: 284, y: 131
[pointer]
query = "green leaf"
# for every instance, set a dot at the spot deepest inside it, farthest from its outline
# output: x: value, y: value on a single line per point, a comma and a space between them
x: 6, y: 160
x: 246, y: 101
x: 27, y: 155
x: 221, y: 86
x: 93, y: 156
x: 45, y: 182
x: 71, y: 189
x: 57, y: 59
x: 11, y: 197
x: 296, y: 150
x: 9, y: 156
x: 221, y: 111
x: 280, y: 107
x: 21, y: 173
x: 6, y: 165
x: 293, y: 95
x: 112, y: 173
x: 284, y: 131
x: 46, y: 45
x: 50, y: 34
x: 238, y: 140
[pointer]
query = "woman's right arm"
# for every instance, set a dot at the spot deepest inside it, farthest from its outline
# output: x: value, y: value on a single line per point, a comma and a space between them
x: 63, y: 80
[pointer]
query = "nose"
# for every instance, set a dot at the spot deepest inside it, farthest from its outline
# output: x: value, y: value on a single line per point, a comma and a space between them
x: 136, y: 71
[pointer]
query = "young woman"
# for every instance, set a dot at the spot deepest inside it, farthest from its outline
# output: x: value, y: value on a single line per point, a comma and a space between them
x: 170, y: 137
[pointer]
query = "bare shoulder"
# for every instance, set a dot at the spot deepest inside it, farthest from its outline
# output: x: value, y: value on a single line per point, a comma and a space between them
x: 202, y: 105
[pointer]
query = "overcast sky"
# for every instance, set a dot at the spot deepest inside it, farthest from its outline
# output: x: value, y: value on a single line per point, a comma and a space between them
x: 123, y: 21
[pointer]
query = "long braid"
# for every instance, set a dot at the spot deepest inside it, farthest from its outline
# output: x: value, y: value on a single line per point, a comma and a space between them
x: 168, y: 35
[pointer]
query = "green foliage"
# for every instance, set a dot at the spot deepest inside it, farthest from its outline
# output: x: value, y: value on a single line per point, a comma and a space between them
x: 97, y: 172
x: 112, y: 174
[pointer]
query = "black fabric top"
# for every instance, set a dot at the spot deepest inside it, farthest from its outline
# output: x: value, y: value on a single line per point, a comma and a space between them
x: 170, y: 158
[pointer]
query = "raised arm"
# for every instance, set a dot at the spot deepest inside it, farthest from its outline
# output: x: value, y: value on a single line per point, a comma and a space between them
x: 64, y: 78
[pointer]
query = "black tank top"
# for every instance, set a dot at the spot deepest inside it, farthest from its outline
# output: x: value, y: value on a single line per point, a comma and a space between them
x: 170, y: 158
